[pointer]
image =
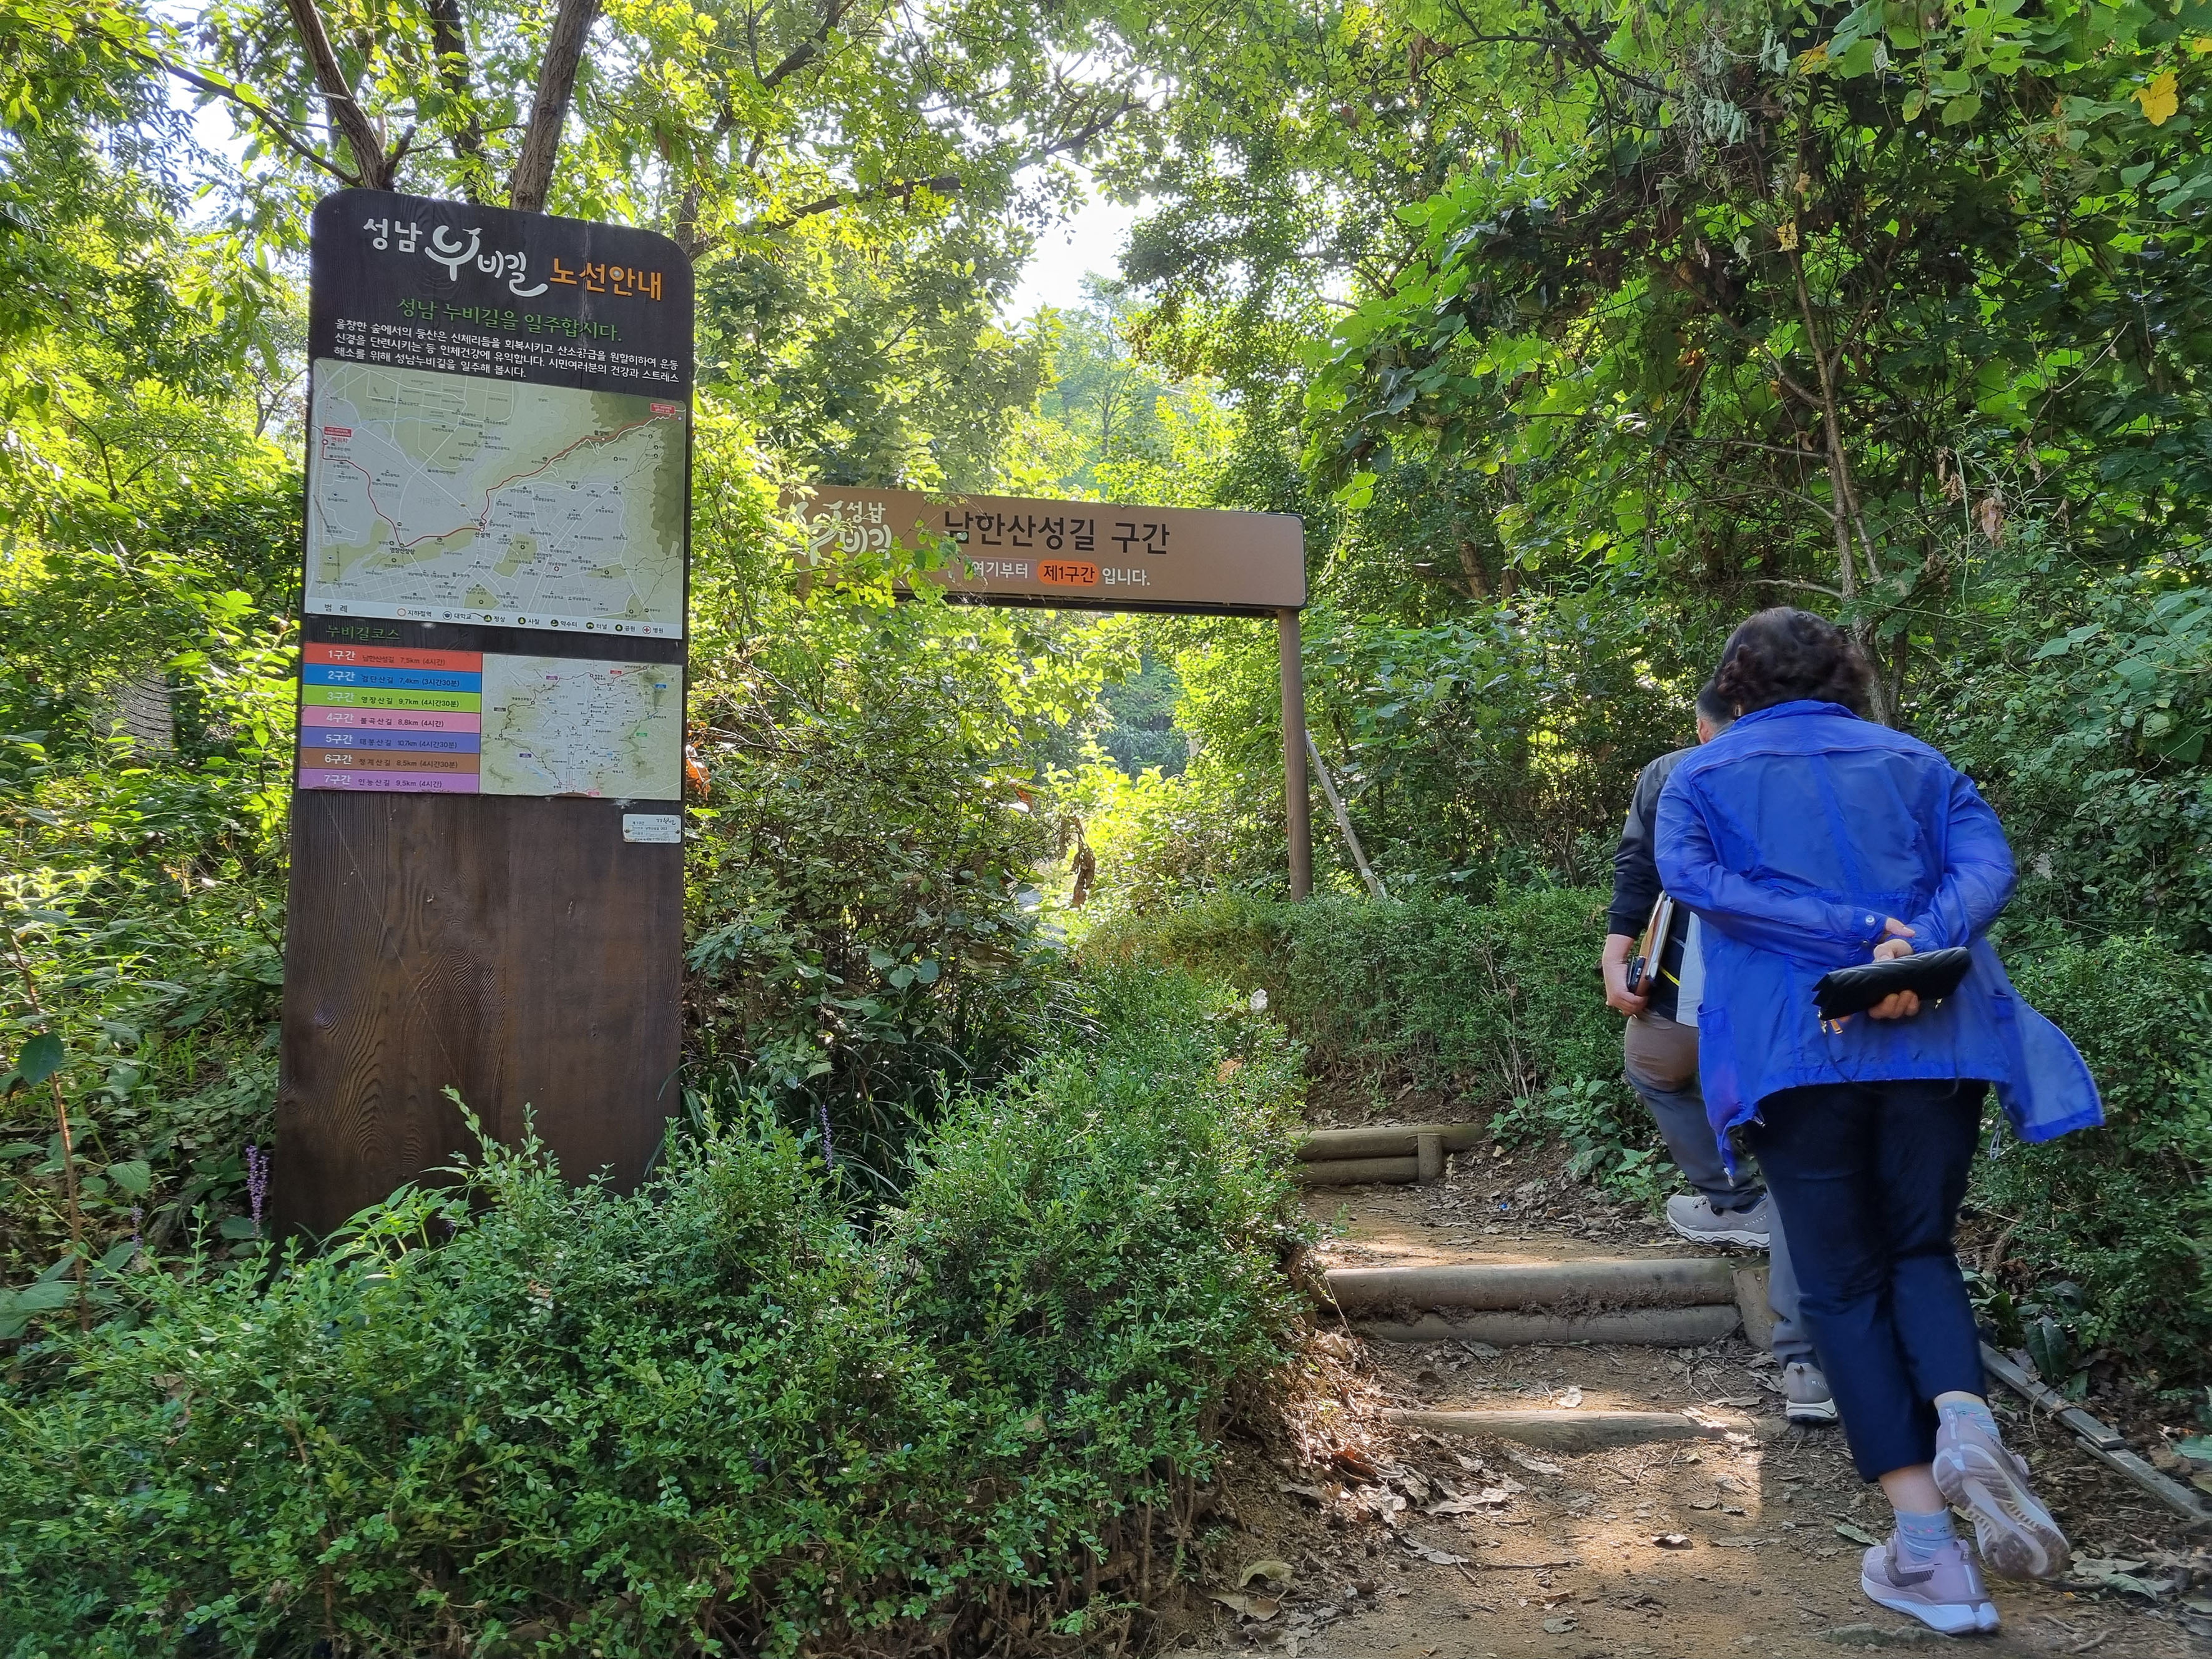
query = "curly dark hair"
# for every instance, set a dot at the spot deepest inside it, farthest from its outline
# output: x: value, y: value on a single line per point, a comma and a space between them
x: 1783, y: 655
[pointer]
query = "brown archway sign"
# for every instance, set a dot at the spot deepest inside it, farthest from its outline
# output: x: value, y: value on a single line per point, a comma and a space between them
x: 1101, y: 555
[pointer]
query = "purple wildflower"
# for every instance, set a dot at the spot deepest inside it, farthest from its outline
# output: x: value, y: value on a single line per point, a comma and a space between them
x: 256, y: 1181
x: 828, y: 1147
x: 138, y: 1224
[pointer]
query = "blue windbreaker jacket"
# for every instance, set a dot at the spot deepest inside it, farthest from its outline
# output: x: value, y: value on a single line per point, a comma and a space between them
x: 1794, y: 833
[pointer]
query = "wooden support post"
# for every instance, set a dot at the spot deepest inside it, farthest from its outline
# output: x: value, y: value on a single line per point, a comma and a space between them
x: 1344, y: 819
x: 1298, y: 797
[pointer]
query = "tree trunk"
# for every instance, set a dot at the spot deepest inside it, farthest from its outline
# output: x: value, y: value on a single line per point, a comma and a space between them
x: 1470, y: 562
x: 1849, y: 520
x: 449, y: 38
x: 549, y: 113
x: 372, y: 169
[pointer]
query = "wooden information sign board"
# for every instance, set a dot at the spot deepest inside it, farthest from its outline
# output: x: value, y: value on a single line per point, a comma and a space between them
x: 1099, y: 555
x: 1091, y: 556
x: 487, y: 863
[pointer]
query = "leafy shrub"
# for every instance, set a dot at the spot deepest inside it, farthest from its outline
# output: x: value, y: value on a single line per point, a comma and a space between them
x: 1494, y: 1008
x: 2124, y: 1213
x: 1487, y: 1002
x: 526, y: 1417
x: 1473, y: 751
x: 866, y: 937
x: 2084, y: 720
x: 140, y: 928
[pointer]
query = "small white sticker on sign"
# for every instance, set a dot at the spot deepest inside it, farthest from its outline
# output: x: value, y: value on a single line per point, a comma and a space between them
x: 652, y: 826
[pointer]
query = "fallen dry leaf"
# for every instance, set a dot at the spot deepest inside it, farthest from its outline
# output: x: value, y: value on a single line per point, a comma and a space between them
x: 1465, y: 1505
x: 1352, y: 1463
x: 1275, y: 1571
x: 1440, y: 1558
x: 1258, y: 1608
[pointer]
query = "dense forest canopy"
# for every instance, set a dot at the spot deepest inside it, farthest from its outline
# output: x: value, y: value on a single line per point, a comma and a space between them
x: 1573, y: 330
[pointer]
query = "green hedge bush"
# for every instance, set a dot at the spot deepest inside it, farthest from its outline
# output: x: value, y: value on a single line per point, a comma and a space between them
x: 2123, y: 1213
x: 518, y: 1416
x: 1488, y: 1002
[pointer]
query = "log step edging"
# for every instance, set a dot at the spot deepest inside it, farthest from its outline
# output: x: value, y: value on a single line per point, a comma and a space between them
x: 1607, y: 1282
x: 1571, y: 1430
x: 1358, y: 1171
x: 1654, y: 1327
x: 1393, y: 1140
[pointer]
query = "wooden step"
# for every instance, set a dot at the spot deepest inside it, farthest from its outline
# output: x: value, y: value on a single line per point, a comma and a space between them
x: 1658, y: 1327
x: 1601, y: 1282
x: 1358, y: 1171
x: 1395, y: 1140
x: 1572, y: 1430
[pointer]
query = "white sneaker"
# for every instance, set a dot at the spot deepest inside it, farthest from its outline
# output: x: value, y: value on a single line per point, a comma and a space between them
x: 1805, y: 1392
x: 1947, y: 1595
x: 1694, y: 1217
x: 1976, y: 1473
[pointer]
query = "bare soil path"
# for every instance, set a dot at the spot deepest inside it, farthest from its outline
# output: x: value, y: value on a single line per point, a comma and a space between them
x: 1417, y: 1545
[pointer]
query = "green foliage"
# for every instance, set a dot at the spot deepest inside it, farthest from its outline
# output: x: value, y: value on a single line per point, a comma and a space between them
x: 1488, y: 1004
x: 2113, y: 1227
x: 1142, y: 709
x: 867, y: 932
x: 1498, y: 746
x: 1608, y: 1137
x: 1493, y: 1009
x: 526, y: 1416
x: 2090, y: 738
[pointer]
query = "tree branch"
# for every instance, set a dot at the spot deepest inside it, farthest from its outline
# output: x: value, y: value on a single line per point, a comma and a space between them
x: 549, y: 113
x: 273, y: 123
x: 372, y: 168
x: 810, y: 48
x: 900, y: 189
x: 1593, y: 55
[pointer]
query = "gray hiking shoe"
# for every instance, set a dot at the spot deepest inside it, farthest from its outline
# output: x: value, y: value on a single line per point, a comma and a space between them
x: 1975, y: 1473
x: 1947, y: 1595
x: 1805, y: 1392
x: 1694, y: 1217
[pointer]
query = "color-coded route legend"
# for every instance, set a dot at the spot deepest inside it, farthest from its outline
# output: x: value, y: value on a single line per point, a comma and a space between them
x: 375, y: 717
x: 449, y: 721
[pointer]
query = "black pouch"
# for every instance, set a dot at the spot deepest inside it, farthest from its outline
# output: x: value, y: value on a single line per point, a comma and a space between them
x: 1934, y: 974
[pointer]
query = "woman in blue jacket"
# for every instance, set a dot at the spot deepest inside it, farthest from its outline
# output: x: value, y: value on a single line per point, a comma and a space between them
x: 1809, y: 838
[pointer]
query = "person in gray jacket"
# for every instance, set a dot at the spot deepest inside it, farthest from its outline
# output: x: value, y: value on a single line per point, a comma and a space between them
x: 1660, y: 1049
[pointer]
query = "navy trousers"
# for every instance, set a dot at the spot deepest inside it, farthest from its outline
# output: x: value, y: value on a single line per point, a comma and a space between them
x: 1870, y: 1177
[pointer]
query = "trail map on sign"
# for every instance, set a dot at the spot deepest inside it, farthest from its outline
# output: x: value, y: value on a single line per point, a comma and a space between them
x: 452, y: 498
x: 556, y: 726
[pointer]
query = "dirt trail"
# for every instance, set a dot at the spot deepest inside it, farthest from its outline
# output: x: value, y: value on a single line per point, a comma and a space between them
x: 1740, y: 1545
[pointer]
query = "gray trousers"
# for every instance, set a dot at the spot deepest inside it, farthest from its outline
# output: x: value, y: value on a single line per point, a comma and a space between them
x: 1681, y: 1113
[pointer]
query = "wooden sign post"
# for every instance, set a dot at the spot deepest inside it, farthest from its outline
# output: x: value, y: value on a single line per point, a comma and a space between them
x: 1097, y: 555
x: 487, y: 885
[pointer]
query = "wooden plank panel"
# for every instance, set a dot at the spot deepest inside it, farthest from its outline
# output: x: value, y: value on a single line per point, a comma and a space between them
x: 518, y: 950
